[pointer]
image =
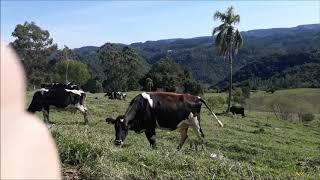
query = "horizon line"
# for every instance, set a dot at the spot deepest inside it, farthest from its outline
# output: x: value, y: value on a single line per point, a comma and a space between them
x: 193, y: 36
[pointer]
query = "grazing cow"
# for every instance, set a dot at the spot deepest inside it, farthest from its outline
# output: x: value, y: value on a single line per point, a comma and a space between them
x: 123, y: 96
x: 148, y: 111
x: 237, y: 110
x: 58, y: 96
x: 116, y: 95
x: 270, y: 91
x: 71, y: 86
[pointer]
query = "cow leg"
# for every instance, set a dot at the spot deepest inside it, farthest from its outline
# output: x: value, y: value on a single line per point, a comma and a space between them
x: 84, y: 112
x: 85, y: 116
x: 151, y: 135
x: 196, y: 127
x: 184, y: 135
x: 201, y: 132
x: 45, y: 112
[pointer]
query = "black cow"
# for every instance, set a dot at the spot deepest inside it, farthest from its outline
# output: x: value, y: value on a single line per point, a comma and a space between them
x: 59, y: 97
x: 148, y: 111
x: 70, y: 85
x: 237, y: 110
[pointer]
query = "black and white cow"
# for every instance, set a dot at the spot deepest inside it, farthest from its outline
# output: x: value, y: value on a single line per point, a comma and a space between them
x: 237, y: 110
x: 58, y: 97
x: 116, y: 95
x: 148, y: 111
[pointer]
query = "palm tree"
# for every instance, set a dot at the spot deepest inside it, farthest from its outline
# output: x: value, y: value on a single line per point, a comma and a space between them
x: 65, y: 56
x: 228, y: 39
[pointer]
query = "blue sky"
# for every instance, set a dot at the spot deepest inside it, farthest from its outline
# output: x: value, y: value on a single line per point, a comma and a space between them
x: 80, y: 23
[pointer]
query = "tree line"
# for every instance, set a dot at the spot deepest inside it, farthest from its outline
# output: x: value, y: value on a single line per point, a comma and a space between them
x: 123, y: 68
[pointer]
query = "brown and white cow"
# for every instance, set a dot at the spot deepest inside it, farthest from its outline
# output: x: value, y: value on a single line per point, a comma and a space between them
x: 148, y: 111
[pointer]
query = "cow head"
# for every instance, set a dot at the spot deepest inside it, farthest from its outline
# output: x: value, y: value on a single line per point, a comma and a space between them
x: 120, y: 127
x: 132, y: 119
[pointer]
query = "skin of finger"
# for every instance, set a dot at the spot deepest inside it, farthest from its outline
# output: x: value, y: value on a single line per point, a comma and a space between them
x: 27, y: 148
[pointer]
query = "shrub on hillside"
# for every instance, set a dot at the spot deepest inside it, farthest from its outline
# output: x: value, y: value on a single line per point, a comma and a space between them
x: 217, y: 101
x: 306, y: 117
x: 246, y: 91
x: 93, y: 86
x: 192, y: 87
x: 171, y: 77
x: 282, y: 112
x: 77, y: 72
x: 212, y: 90
x: 238, y: 96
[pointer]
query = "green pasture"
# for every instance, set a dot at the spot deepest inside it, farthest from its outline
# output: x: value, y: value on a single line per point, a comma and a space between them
x: 255, y: 147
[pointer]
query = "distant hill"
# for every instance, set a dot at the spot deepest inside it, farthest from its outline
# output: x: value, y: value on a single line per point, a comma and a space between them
x: 285, y: 71
x: 199, y: 55
x: 86, y: 50
x: 309, y: 28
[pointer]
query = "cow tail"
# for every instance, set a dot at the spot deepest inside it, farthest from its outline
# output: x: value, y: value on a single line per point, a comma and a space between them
x: 83, y: 99
x: 204, y: 102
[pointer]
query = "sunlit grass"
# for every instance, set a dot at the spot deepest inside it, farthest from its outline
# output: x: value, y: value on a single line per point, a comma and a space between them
x: 296, y: 100
x: 258, y: 146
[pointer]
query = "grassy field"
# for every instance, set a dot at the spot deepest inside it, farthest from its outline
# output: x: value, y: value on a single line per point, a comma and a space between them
x: 295, y: 100
x: 255, y: 147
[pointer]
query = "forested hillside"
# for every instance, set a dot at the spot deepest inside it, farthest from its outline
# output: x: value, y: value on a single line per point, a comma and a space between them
x: 269, y: 57
x: 200, y: 57
x: 281, y: 71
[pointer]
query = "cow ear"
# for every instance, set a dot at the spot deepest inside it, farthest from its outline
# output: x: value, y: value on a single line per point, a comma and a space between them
x: 110, y: 120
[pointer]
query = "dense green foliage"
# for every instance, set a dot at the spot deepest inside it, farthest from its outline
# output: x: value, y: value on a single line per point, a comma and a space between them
x: 306, y: 117
x: 167, y: 75
x: 123, y: 68
x: 283, y: 56
x: 238, y: 96
x: 93, y: 86
x: 41, y: 59
x: 89, y: 56
x: 196, y: 53
x: 77, y: 71
x: 280, y: 71
x: 255, y: 147
x: 34, y: 45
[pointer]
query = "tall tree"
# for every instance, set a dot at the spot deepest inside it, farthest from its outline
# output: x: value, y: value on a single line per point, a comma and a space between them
x: 65, y: 55
x: 115, y: 68
x: 123, y: 67
x: 170, y: 76
x: 34, y: 46
x: 135, y: 68
x: 228, y: 40
x: 77, y: 71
